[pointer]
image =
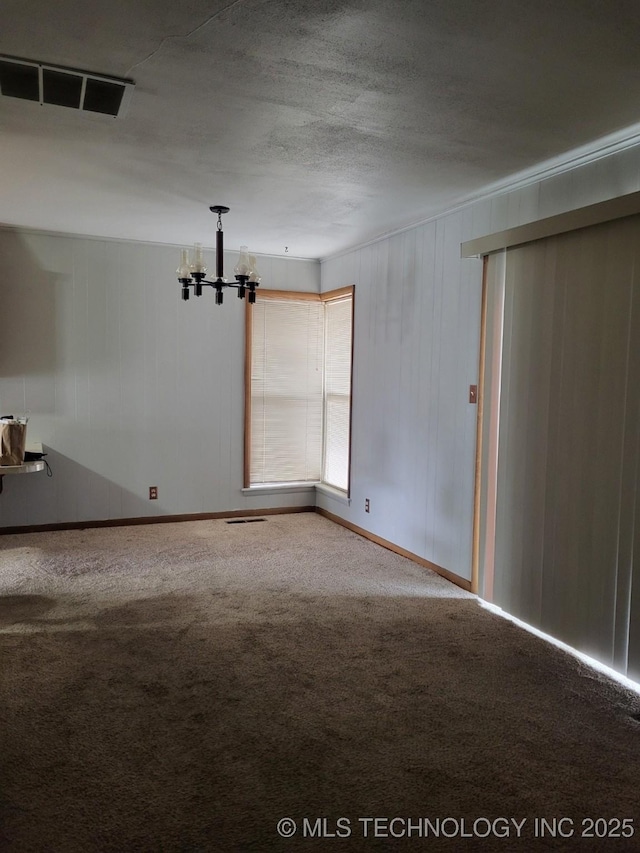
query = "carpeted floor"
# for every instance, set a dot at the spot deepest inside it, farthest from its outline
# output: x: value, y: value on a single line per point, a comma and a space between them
x: 184, y: 687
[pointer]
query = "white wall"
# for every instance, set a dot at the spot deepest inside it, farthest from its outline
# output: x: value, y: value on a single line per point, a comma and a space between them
x: 417, y: 322
x: 415, y: 355
x: 126, y: 385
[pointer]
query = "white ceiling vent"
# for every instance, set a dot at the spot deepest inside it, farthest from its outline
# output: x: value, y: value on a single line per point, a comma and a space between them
x: 64, y: 87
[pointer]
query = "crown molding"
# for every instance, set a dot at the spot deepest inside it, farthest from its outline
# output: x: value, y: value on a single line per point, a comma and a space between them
x: 45, y: 232
x: 599, y: 149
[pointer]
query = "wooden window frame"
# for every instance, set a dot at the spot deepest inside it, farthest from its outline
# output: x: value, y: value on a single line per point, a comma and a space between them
x: 280, y: 295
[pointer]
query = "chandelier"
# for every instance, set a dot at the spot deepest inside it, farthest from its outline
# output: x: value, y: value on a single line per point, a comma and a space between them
x: 192, y: 273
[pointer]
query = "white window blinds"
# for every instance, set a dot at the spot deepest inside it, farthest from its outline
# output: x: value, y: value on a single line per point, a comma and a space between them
x: 287, y: 354
x: 337, y: 378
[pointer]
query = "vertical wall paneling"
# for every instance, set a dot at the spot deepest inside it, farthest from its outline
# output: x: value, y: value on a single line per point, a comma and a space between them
x: 436, y: 417
x: 452, y: 394
x: 95, y: 272
x: 438, y: 435
x: 416, y: 352
x: 499, y: 213
x: 406, y: 381
x: 420, y: 397
x: 165, y: 369
x: 127, y: 386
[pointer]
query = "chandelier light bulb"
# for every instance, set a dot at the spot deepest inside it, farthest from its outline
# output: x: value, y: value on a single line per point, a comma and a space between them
x: 184, y: 270
x: 243, y: 267
x: 254, y: 276
x: 198, y: 265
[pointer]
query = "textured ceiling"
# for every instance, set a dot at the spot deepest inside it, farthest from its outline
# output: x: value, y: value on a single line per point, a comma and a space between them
x: 321, y: 123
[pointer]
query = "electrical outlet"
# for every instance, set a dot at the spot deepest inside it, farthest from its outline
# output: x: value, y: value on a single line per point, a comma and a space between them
x: 153, y: 493
x: 367, y: 505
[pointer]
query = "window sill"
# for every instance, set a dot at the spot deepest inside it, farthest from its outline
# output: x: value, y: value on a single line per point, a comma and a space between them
x: 334, y: 493
x: 292, y: 488
x: 279, y: 488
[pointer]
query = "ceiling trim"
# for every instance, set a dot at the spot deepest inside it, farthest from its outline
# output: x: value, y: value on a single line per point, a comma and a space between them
x: 46, y: 232
x: 599, y: 149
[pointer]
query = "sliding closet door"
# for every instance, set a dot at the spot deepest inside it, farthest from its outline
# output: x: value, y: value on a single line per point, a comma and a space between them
x: 488, y: 432
x: 630, y: 489
x: 568, y: 436
x: 523, y: 434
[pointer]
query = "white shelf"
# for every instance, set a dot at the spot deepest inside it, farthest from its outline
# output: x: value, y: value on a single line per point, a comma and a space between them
x: 25, y: 468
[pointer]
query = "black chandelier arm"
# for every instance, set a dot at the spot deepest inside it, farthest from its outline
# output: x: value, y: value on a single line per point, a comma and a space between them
x: 241, y: 281
x: 202, y: 282
x: 242, y: 284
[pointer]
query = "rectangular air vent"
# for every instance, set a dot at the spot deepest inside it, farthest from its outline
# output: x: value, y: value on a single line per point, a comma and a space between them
x: 245, y: 520
x: 64, y: 87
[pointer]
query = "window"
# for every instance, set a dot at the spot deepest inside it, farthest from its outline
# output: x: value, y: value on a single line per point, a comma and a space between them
x: 286, y: 390
x: 298, y: 388
x: 337, y: 391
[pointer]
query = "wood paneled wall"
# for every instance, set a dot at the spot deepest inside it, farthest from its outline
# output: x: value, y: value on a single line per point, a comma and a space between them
x: 416, y: 337
x: 126, y: 385
x: 417, y: 321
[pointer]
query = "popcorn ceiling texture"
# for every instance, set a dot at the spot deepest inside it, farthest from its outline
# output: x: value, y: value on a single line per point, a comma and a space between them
x: 182, y: 687
x: 321, y: 123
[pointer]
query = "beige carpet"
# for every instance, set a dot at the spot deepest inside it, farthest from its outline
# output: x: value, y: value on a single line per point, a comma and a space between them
x: 184, y: 687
